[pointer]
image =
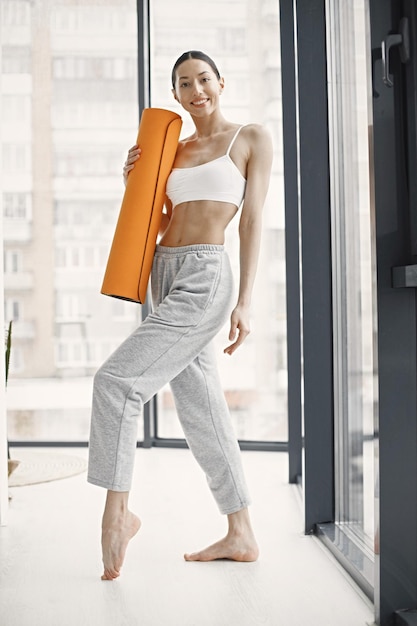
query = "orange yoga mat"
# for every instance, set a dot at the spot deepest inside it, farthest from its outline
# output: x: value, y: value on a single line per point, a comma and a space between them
x: 131, y: 254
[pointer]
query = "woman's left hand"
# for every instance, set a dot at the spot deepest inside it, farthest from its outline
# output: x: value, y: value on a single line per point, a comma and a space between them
x: 132, y: 156
x: 239, y: 324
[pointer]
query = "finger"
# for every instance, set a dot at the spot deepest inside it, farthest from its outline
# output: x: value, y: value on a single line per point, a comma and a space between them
x: 233, y: 330
x: 126, y: 171
x: 241, y: 338
x: 132, y: 157
x: 230, y: 349
x: 133, y: 150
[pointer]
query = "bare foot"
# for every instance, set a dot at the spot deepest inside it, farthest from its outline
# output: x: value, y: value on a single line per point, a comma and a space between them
x: 116, y: 534
x: 238, y: 545
x: 234, y: 548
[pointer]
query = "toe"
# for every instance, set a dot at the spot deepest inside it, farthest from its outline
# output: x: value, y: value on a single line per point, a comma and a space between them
x: 109, y: 574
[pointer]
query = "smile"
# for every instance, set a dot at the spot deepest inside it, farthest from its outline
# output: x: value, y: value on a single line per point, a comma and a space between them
x: 199, y: 102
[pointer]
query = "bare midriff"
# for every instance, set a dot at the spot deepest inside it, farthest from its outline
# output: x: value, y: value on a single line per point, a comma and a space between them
x: 201, y: 221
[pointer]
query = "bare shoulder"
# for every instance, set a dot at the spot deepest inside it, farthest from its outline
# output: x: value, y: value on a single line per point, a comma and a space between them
x: 257, y: 136
x: 183, y: 147
x: 185, y: 140
x: 182, y: 143
x: 259, y: 148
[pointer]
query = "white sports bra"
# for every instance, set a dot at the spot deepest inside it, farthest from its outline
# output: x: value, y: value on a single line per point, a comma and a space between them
x: 218, y: 180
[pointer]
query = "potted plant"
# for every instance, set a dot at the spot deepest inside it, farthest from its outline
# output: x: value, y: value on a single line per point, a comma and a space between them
x: 8, y: 347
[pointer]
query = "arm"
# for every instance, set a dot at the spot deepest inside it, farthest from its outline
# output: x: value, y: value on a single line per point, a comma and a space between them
x: 250, y: 228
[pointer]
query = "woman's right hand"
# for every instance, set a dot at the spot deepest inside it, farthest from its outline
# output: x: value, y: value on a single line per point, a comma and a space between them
x: 132, y: 156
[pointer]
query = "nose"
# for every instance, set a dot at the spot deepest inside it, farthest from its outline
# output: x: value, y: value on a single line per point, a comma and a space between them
x: 197, y: 87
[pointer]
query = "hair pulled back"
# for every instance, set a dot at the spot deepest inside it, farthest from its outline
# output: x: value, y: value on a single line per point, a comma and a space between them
x: 193, y: 54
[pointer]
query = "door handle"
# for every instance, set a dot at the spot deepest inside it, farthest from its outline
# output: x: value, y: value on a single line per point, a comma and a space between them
x: 402, y: 40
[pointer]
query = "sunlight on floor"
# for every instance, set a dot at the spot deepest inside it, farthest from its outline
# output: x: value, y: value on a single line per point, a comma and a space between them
x: 50, y: 555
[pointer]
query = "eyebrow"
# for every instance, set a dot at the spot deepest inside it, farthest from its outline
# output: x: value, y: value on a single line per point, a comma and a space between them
x: 183, y: 77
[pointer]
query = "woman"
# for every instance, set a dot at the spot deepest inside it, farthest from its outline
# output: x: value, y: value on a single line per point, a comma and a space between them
x: 217, y: 168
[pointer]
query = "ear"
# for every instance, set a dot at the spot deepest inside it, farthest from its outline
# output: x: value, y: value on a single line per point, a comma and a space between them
x: 221, y: 84
x: 174, y: 93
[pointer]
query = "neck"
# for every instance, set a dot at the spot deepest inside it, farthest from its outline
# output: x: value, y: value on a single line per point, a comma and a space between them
x: 209, y: 126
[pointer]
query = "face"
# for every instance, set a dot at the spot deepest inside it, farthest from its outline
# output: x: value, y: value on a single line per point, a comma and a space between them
x: 197, y: 87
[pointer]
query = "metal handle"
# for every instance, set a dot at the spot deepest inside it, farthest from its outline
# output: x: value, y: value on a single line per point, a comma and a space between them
x: 401, y: 39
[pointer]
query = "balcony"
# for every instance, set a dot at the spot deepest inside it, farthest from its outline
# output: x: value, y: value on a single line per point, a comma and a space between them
x: 24, y: 330
x: 17, y: 230
x: 18, y: 281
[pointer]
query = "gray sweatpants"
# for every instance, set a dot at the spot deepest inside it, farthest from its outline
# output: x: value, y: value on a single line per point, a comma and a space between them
x: 192, y: 288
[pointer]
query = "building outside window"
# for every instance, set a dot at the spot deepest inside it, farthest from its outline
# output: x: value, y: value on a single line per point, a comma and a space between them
x: 71, y: 68
x: 245, y: 46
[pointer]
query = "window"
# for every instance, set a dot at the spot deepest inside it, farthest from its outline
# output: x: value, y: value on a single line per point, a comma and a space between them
x: 71, y: 353
x: 232, y: 40
x: 124, y: 310
x: 82, y: 161
x: 12, y: 310
x: 353, y: 263
x: 69, y: 98
x: 110, y: 20
x: 254, y: 380
x: 89, y: 211
x: 93, y: 114
x: 85, y: 113
x: 16, y: 60
x: 93, y: 68
x: 82, y: 257
x: 17, y: 206
x: 70, y: 307
x: 12, y: 261
x: 15, y: 13
x: 16, y: 157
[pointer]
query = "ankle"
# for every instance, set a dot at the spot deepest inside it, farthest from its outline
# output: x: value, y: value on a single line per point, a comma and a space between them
x: 116, y: 506
x: 239, y: 523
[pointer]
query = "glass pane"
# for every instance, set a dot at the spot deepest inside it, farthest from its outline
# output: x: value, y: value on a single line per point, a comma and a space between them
x: 69, y: 111
x: 353, y: 263
x: 243, y: 39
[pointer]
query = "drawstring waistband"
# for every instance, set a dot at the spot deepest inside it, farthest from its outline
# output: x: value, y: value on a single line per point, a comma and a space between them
x: 181, y: 250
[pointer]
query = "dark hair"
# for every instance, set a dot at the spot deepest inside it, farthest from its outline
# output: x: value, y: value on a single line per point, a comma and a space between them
x: 193, y: 54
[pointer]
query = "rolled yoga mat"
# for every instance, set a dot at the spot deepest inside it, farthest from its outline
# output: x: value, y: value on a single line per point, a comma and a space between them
x: 130, y: 260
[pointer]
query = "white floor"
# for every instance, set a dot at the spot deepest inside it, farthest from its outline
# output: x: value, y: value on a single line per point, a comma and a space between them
x: 50, y: 555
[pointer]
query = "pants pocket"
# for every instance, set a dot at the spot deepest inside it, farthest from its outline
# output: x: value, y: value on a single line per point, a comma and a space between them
x: 191, y: 291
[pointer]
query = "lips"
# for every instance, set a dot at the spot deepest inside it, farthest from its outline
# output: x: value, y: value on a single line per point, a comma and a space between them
x: 198, y: 103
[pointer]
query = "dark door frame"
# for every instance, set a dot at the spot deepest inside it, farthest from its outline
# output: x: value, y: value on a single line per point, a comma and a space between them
x: 309, y: 288
x: 303, y: 33
x: 396, y: 562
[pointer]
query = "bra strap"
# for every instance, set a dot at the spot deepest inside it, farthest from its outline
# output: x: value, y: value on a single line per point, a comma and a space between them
x: 233, y: 140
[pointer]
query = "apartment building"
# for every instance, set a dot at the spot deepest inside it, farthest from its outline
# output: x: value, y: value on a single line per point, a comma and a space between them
x: 69, y: 99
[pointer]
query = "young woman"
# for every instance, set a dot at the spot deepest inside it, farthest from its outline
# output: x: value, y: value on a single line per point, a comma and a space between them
x: 221, y: 167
